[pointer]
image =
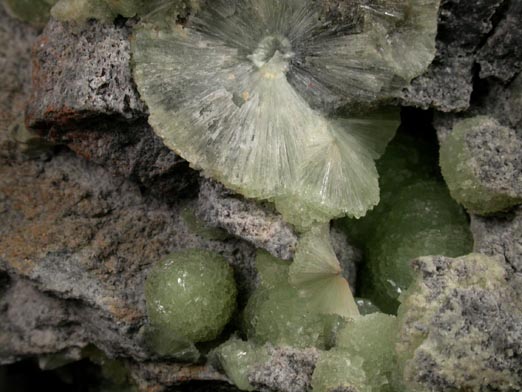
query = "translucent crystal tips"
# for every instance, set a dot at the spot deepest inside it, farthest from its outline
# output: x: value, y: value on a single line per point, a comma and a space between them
x: 316, y: 272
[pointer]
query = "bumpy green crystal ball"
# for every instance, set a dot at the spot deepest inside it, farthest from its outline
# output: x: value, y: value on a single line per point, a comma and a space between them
x: 191, y: 294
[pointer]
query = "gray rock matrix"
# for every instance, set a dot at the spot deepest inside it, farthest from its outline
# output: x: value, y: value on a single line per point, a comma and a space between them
x: 81, y: 228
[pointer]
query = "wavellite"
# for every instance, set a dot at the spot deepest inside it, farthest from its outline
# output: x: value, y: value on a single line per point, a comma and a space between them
x: 301, y: 304
x: 254, y: 93
x: 191, y: 296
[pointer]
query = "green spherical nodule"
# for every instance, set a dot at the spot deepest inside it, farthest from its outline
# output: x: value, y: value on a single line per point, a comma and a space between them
x: 191, y: 295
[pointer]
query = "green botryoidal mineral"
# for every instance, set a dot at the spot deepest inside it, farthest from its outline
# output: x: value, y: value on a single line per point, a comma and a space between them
x: 480, y: 161
x: 245, y: 91
x: 237, y: 358
x: 35, y: 12
x: 459, y: 326
x: 407, y: 160
x: 190, y: 296
x: 271, y: 271
x: 337, y: 371
x: 300, y: 305
x: 417, y: 217
x: 372, y: 338
x: 113, y: 370
x: 363, y: 358
x: 282, y: 317
x: 276, y: 313
x: 423, y: 221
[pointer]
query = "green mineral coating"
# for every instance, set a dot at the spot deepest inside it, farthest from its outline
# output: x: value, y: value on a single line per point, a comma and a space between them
x: 479, y: 193
x: 317, y: 273
x: 35, y: 12
x: 165, y: 343
x: 366, y: 306
x: 245, y: 91
x: 424, y: 220
x: 457, y: 324
x: 336, y: 371
x: 416, y: 217
x: 372, y: 338
x: 190, y: 296
x: 281, y: 316
x: 271, y: 271
x: 237, y: 357
x: 406, y: 161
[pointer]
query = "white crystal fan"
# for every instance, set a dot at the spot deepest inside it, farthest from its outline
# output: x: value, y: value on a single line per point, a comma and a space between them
x: 243, y: 92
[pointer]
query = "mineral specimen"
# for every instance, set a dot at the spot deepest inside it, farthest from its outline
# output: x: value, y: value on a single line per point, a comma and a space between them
x: 191, y: 296
x: 417, y: 217
x: 280, y: 316
x: 480, y: 161
x: 406, y: 161
x: 236, y: 358
x: 371, y: 338
x: 271, y: 271
x: 460, y: 326
x: 337, y: 372
x: 245, y: 91
x: 302, y: 304
x: 317, y: 274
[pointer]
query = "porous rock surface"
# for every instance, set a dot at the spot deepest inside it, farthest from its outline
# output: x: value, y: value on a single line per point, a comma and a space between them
x: 261, y: 225
x: 460, y: 326
x: 16, y: 41
x: 77, y: 238
x: 287, y: 369
x: 463, y: 26
x: 81, y: 72
x: 500, y: 235
x: 75, y: 250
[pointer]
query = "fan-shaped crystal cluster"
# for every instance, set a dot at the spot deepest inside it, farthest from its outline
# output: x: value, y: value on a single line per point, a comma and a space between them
x: 302, y: 304
x: 249, y: 91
